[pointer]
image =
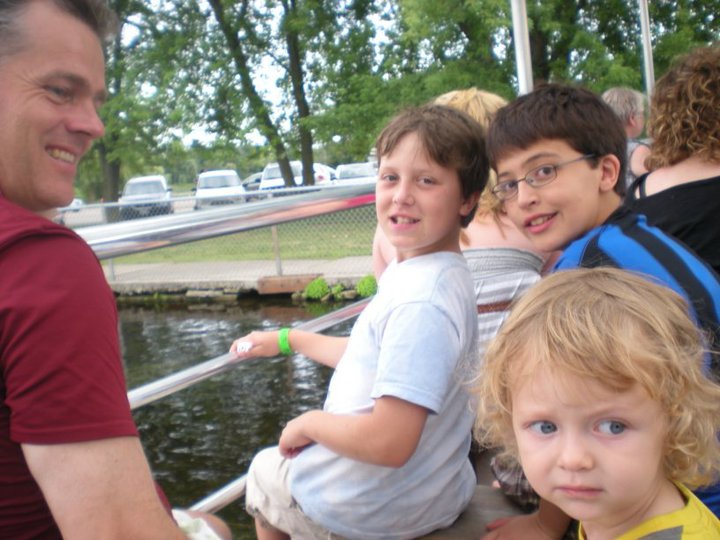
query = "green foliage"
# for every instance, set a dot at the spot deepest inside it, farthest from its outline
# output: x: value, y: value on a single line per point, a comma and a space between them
x: 175, y: 70
x: 317, y: 289
x: 337, y: 290
x: 366, y: 286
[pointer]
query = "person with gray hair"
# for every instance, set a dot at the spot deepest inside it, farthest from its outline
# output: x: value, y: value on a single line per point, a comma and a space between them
x: 71, y: 462
x: 629, y: 105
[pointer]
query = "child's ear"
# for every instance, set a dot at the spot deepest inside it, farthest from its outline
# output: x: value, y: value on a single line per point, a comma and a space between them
x: 469, y: 204
x: 610, y: 169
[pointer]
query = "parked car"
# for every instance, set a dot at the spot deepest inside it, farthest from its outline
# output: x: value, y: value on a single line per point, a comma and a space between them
x: 252, y: 182
x: 356, y: 173
x: 74, y: 205
x: 272, y: 177
x: 145, y: 196
x: 218, y: 187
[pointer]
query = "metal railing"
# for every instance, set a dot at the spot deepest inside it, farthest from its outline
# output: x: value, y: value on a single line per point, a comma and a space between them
x: 118, y: 239
x: 166, y: 386
x: 128, y: 237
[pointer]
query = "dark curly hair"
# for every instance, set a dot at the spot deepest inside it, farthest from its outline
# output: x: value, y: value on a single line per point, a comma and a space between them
x: 685, y: 110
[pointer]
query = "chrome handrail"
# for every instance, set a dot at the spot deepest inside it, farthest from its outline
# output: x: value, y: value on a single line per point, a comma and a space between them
x: 127, y: 237
x: 182, y: 379
x: 227, y: 494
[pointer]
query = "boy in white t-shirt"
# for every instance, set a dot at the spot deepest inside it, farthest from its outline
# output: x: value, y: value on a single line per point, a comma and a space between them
x: 387, y: 457
x: 595, y: 383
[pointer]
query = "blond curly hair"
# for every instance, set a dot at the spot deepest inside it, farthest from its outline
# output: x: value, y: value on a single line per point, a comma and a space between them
x: 685, y: 110
x: 618, y: 329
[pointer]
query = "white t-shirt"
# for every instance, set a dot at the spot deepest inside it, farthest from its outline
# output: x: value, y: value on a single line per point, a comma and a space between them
x: 414, y: 341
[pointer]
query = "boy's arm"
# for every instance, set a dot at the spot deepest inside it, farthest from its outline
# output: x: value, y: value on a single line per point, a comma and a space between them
x: 388, y: 436
x: 323, y: 349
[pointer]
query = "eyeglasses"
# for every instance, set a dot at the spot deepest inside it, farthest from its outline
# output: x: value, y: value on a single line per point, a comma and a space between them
x: 536, y: 178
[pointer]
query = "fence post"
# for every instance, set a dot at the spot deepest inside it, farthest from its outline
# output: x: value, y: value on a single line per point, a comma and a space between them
x: 276, y: 250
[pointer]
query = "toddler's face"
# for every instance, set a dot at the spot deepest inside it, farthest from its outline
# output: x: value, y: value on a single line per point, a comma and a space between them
x: 594, y: 452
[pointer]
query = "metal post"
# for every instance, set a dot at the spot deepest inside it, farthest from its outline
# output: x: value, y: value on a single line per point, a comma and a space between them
x: 649, y: 69
x: 276, y: 250
x: 521, y: 37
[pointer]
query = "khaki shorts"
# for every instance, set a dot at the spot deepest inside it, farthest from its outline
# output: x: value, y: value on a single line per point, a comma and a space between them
x: 268, y: 498
x: 194, y: 528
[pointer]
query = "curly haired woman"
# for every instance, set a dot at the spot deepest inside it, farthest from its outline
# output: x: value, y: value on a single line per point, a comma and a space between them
x: 682, y: 193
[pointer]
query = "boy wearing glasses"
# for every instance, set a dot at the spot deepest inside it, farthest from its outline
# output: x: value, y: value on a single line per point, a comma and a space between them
x: 558, y: 153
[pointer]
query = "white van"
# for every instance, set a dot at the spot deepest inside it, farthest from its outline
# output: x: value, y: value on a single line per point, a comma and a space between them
x: 218, y: 187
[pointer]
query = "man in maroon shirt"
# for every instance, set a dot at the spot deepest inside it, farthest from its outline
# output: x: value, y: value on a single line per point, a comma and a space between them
x: 71, y: 463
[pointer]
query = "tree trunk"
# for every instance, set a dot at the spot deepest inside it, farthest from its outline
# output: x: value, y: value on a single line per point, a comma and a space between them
x: 296, y: 78
x: 257, y: 105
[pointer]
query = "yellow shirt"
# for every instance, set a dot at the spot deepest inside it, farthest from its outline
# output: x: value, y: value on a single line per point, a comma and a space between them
x: 693, y: 522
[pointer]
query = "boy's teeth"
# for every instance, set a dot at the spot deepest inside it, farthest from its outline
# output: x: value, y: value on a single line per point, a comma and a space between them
x: 62, y: 155
x: 404, y: 221
x: 539, y: 221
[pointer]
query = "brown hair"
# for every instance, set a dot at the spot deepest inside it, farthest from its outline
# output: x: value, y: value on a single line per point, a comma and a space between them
x: 94, y: 13
x: 553, y: 111
x: 685, y: 110
x: 450, y: 137
x: 618, y: 329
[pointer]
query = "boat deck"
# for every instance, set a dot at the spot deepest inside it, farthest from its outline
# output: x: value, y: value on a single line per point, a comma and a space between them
x: 487, y: 505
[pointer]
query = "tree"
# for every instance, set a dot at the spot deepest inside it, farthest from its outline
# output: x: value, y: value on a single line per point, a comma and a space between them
x: 321, y: 77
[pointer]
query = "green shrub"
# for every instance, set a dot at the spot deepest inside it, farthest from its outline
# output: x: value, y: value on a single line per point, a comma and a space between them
x: 337, y: 291
x: 317, y: 289
x: 367, y: 286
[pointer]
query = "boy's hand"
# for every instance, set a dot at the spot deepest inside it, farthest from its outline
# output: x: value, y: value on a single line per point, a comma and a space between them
x: 293, y: 439
x: 256, y: 344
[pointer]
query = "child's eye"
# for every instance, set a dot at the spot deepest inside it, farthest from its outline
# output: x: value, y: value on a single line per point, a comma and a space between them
x: 425, y: 180
x: 542, y: 173
x: 611, y: 427
x: 507, y: 187
x: 543, y: 426
x: 388, y: 177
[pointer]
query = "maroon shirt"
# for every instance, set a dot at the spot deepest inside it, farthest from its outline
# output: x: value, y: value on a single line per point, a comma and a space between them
x: 61, y: 377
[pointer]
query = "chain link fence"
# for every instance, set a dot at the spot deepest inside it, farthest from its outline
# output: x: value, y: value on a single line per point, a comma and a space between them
x: 337, y: 245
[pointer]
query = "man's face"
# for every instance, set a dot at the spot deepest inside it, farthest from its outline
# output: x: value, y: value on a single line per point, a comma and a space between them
x: 50, y: 92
